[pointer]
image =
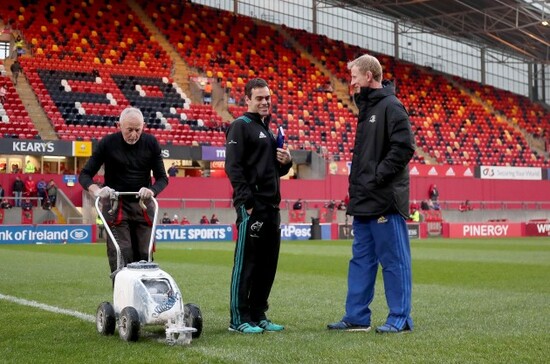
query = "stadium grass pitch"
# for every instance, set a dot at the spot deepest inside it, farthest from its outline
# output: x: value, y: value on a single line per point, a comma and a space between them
x: 482, y: 301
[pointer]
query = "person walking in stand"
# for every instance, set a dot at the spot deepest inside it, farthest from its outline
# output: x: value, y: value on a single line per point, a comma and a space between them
x: 254, y: 164
x: 15, y: 69
x: 3, y: 93
x: 128, y: 156
x: 379, y: 202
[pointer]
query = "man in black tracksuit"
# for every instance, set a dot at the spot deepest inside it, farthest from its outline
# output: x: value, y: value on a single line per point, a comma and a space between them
x: 254, y: 164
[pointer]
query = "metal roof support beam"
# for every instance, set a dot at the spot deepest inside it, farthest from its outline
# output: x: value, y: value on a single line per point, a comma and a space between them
x: 396, y: 39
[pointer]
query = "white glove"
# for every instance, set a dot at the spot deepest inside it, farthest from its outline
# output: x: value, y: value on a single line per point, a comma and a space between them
x: 145, y: 193
x: 104, y: 192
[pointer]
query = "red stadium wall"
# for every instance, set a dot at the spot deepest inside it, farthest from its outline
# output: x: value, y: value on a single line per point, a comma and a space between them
x: 336, y: 187
x: 333, y: 187
x: 474, y: 189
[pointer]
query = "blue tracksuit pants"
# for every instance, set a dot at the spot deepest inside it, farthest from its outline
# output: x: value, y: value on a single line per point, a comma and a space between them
x: 383, y: 241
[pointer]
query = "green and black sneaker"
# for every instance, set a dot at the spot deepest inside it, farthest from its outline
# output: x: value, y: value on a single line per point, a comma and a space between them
x: 270, y: 326
x: 246, y: 328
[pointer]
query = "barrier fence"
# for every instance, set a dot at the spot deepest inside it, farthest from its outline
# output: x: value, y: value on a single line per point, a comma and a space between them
x: 81, y: 233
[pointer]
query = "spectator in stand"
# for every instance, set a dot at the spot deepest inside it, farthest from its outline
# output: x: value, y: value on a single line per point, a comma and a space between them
x: 434, y: 205
x: 41, y: 191
x: 173, y: 170
x: 133, y: 162
x: 331, y: 205
x: 18, y: 188
x: 175, y: 219
x: 433, y: 192
x: 15, y: 69
x: 185, y: 221
x: 204, y: 220
x: 3, y: 93
x: 29, y: 167
x: 51, y: 190
x: 254, y: 164
x: 465, y: 206
x: 165, y: 219
x: 5, y: 204
x: 214, y: 219
x: 379, y: 185
x: 26, y: 205
x: 30, y: 186
x: 342, y: 205
x: 297, y: 205
x: 415, y: 215
x: 19, y: 48
x: 100, y: 226
x: 207, y: 92
x: 425, y: 205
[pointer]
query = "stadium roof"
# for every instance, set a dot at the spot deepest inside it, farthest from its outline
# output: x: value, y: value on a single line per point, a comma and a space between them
x: 521, y: 27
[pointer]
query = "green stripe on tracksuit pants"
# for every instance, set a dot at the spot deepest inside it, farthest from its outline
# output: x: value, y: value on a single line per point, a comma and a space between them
x: 255, y: 264
x: 383, y: 241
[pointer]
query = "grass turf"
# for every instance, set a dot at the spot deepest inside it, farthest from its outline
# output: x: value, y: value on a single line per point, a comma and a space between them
x: 473, y: 301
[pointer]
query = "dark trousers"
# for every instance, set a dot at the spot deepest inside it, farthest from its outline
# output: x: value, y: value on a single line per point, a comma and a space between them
x: 101, y: 230
x: 131, y: 226
x: 255, y: 264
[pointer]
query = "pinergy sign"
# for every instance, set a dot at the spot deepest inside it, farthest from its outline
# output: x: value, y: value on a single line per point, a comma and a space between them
x: 485, y: 230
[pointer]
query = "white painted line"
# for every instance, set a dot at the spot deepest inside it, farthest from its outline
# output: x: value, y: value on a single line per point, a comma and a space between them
x: 45, y: 307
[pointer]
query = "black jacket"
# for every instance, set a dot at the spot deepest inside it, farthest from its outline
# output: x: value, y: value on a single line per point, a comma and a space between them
x: 251, y: 163
x: 127, y: 167
x: 384, y: 145
x: 18, y: 186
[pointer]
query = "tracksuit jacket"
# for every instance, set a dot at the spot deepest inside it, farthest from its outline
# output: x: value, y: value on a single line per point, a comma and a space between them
x: 252, y: 165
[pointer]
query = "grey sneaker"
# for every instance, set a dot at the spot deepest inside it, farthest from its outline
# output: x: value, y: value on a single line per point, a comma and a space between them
x: 390, y: 329
x: 346, y: 326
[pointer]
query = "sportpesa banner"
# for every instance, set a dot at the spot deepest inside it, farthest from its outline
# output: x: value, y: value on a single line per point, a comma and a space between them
x: 197, y: 233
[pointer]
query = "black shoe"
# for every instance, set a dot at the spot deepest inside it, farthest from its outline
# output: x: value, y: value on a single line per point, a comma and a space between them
x: 346, y: 326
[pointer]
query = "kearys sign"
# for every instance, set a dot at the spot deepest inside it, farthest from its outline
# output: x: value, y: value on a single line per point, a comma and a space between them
x: 45, y: 147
